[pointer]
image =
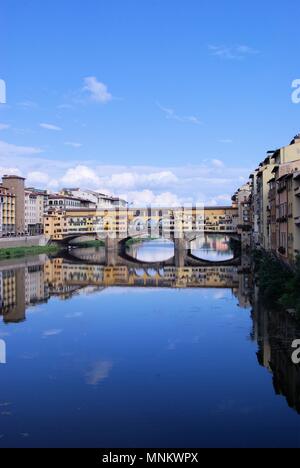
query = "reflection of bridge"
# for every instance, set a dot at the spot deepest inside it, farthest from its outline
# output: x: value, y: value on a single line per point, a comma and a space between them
x: 64, y: 275
x: 36, y: 280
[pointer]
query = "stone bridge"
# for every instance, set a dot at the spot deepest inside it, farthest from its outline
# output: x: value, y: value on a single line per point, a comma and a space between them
x: 115, y: 253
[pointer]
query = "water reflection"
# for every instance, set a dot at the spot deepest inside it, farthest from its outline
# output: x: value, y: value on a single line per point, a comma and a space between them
x: 41, y: 278
x: 157, y: 250
x: 212, y: 247
x: 115, y: 336
x: 274, y: 332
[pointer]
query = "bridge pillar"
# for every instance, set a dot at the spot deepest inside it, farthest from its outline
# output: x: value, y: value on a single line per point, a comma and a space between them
x: 180, y: 246
x: 111, y: 251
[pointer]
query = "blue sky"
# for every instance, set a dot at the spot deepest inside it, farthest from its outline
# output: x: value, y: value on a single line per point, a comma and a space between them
x: 159, y: 100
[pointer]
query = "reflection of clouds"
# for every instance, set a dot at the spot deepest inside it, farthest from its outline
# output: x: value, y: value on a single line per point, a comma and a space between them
x: 116, y: 290
x: 73, y: 315
x: 53, y: 332
x: 99, y: 372
x: 220, y: 294
x: 213, y: 247
x: 152, y: 251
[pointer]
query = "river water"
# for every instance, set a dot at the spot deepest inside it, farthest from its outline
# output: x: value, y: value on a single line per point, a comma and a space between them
x: 141, y: 354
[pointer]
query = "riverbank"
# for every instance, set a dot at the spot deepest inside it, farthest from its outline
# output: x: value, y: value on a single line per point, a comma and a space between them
x: 139, y: 240
x: 15, y: 252
x: 279, y: 285
x: 23, y: 241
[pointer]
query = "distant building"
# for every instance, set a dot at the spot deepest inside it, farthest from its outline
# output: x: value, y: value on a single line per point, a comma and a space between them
x: 99, y: 199
x: 34, y: 212
x: 7, y: 212
x: 65, y: 202
x: 15, y: 185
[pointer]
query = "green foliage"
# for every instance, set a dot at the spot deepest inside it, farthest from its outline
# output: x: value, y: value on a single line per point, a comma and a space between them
x: 138, y: 240
x: 279, y: 285
x: 15, y: 252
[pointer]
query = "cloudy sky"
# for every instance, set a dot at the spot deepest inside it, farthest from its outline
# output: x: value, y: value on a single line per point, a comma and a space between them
x: 162, y: 102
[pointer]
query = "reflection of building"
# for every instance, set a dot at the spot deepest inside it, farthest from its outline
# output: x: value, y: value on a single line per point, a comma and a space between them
x: 275, y: 332
x: 13, y: 290
x: 21, y: 287
x: 35, y: 283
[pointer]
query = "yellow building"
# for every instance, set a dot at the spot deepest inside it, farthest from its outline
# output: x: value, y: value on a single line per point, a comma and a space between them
x: 123, y: 222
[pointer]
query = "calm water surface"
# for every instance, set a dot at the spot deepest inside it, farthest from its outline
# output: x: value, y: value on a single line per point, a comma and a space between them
x: 106, y: 356
x: 213, y: 247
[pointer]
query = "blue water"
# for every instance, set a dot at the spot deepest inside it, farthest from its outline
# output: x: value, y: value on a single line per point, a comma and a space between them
x: 138, y: 367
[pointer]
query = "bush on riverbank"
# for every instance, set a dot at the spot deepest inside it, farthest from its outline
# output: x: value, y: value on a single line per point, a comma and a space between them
x: 278, y: 285
x: 15, y: 252
x: 139, y: 240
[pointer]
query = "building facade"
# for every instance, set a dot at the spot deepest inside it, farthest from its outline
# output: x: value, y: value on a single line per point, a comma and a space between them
x: 7, y: 212
x: 15, y: 185
x: 275, y: 202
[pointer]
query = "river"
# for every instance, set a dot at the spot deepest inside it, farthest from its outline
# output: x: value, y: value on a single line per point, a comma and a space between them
x: 141, y: 354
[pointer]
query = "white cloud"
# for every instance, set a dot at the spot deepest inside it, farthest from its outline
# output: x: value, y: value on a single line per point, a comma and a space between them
x: 10, y: 150
x: 148, y: 197
x: 236, y: 52
x: 82, y: 175
x: 130, y: 180
x: 37, y: 177
x: 48, y: 126
x: 73, y: 144
x: 4, y: 126
x: 9, y: 171
x: 98, y: 91
x: 210, y: 181
x: 171, y: 114
x: 217, y: 163
x: 226, y: 141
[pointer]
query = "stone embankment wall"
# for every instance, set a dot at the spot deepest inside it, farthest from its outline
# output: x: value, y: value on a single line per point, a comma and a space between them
x: 29, y: 241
